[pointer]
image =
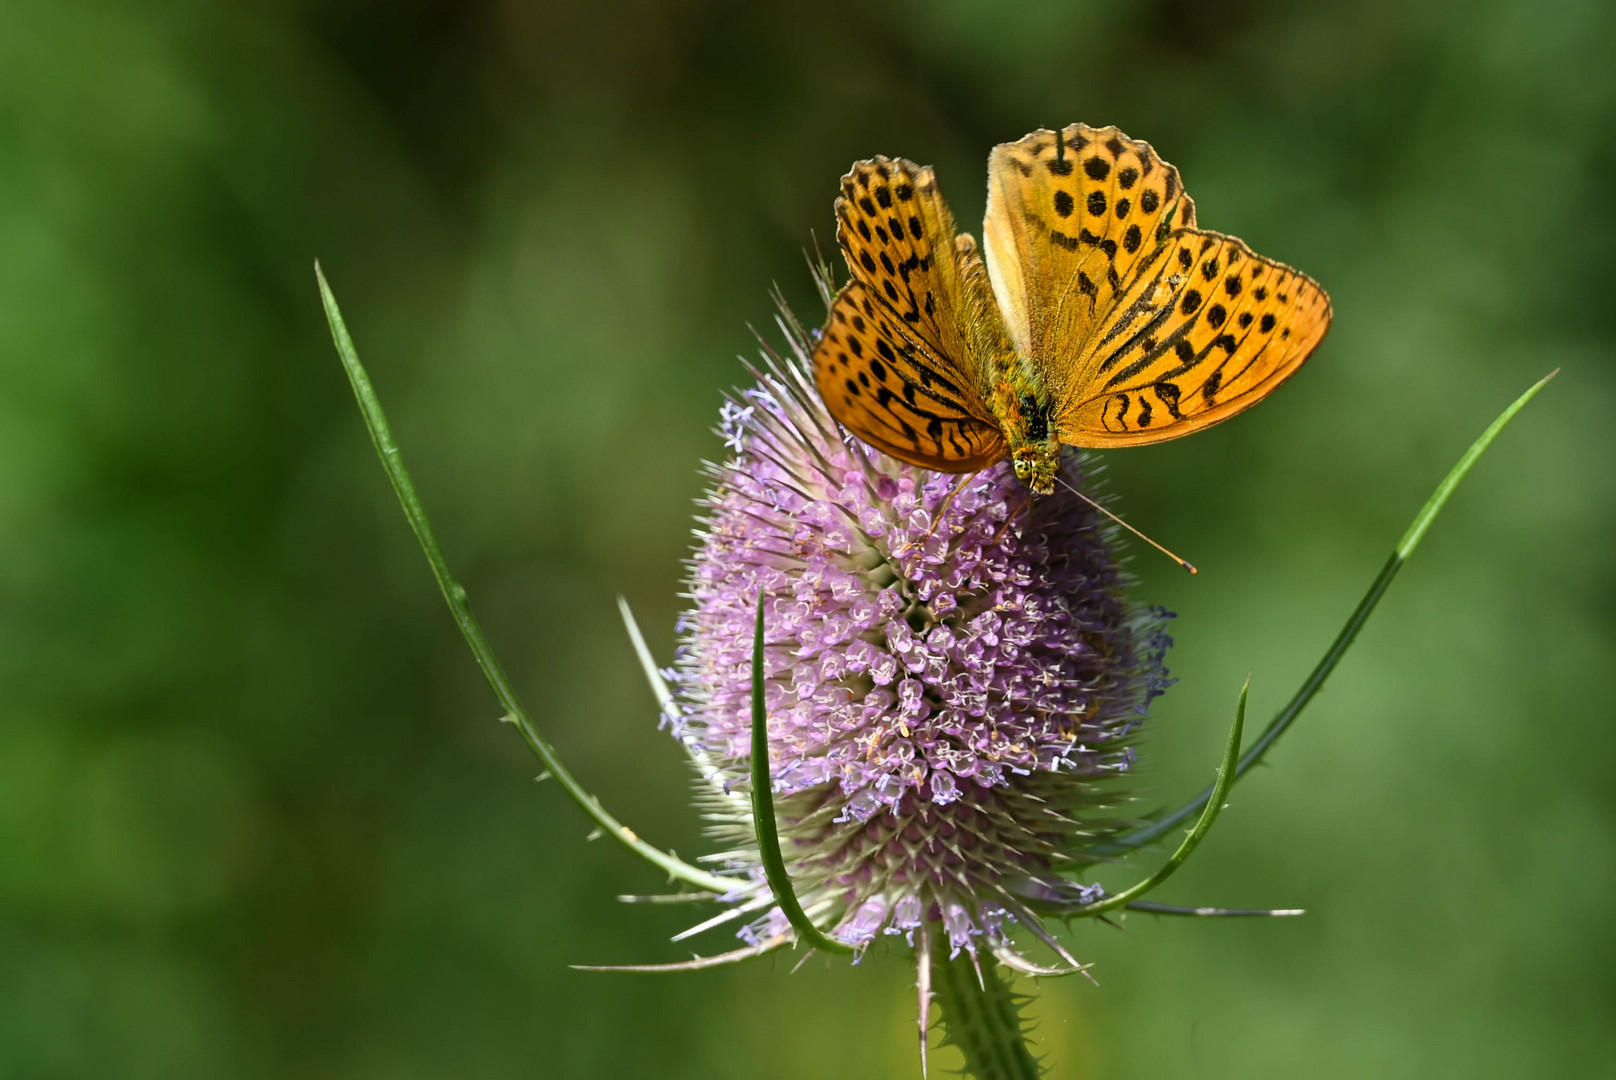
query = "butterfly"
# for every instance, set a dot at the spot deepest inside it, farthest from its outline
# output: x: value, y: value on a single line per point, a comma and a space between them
x: 1095, y: 313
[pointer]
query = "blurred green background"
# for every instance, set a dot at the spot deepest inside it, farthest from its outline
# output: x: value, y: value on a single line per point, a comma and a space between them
x: 256, y: 816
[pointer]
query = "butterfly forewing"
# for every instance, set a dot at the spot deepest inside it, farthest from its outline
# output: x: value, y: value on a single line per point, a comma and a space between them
x: 901, y: 360
x: 1071, y: 214
x: 1204, y: 329
x: 889, y: 388
x: 899, y: 240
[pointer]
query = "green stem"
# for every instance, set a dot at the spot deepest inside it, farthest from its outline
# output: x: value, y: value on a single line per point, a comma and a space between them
x: 983, y: 1019
x: 768, y: 836
x: 1287, y: 716
x: 381, y: 435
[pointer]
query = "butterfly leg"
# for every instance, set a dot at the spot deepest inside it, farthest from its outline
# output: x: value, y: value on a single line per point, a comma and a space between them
x: 1010, y: 518
x: 942, y: 510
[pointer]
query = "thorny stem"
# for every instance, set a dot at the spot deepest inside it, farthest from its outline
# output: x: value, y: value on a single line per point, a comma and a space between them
x: 381, y: 435
x: 982, y: 1016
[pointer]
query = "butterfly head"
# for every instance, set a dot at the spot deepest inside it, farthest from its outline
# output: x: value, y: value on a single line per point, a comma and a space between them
x: 1036, y: 466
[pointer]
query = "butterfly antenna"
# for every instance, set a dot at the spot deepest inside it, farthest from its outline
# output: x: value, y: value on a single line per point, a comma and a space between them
x: 1185, y: 563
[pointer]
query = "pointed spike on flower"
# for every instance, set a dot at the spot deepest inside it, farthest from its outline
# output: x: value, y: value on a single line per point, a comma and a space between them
x: 700, y: 963
x: 755, y: 904
x: 1213, y: 912
x: 666, y: 898
x: 659, y: 688
x: 1016, y: 962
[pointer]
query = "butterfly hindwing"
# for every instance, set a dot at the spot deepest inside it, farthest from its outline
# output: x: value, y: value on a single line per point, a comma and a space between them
x: 887, y: 386
x: 1204, y: 329
x: 1070, y: 216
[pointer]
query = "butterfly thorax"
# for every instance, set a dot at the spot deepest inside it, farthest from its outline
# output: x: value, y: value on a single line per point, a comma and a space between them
x: 1025, y: 412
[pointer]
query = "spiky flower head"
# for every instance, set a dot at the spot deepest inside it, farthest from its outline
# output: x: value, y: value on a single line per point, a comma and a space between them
x: 954, y: 677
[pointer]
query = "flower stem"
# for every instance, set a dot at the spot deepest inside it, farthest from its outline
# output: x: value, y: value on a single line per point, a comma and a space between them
x: 381, y: 434
x: 983, y: 1019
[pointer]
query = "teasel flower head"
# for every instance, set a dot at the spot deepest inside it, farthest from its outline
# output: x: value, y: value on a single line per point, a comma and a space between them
x: 955, y: 680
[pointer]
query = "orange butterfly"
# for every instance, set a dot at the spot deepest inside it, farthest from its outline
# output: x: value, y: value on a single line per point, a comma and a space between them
x: 1101, y: 315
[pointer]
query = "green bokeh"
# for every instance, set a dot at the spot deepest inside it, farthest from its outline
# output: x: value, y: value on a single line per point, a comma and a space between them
x: 256, y: 817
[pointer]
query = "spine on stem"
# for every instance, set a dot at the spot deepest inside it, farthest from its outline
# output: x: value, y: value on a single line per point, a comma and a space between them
x: 981, y: 1016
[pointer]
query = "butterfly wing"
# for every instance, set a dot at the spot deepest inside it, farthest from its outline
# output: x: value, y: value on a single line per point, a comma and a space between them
x: 1071, y: 214
x: 1203, y: 330
x: 901, y: 362
x: 887, y: 386
x: 1143, y: 327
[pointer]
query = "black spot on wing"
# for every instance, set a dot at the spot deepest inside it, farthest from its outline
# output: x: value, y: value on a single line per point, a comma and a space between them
x: 1167, y: 393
